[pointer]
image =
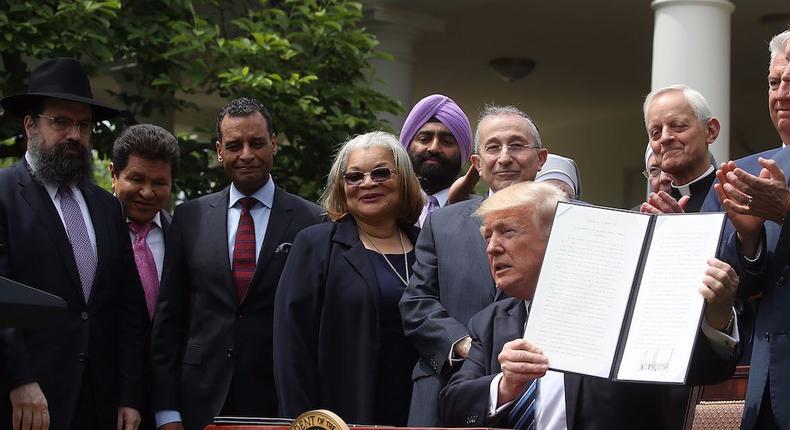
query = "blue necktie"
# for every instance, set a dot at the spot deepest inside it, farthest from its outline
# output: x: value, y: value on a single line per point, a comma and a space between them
x: 522, y: 415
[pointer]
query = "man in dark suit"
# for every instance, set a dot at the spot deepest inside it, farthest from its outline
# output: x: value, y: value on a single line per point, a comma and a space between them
x: 212, y: 333
x: 61, y: 233
x: 501, y: 365
x: 758, y: 206
x: 451, y: 281
x: 144, y: 162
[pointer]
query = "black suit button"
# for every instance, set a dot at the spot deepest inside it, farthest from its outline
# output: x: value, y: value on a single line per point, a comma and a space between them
x: 240, y: 316
x: 83, y: 357
x: 767, y: 337
x: 84, y: 316
x: 230, y: 352
x: 780, y: 280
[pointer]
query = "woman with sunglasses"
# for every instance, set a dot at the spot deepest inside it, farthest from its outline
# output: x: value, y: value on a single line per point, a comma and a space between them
x: 338, y: 336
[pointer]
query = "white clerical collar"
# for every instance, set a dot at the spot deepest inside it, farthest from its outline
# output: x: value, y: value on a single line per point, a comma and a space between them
x: 685, y: 190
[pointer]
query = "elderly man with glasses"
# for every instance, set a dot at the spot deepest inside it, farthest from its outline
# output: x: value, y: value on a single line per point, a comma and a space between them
x: 451, y: 280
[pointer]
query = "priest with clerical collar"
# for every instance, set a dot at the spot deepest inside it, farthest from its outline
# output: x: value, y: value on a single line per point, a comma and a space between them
x: 680, y: 127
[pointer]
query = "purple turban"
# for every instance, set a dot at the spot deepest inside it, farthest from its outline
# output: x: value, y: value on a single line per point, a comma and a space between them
x: 448, y: 113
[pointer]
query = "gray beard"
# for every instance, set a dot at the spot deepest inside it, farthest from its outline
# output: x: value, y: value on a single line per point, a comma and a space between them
x: 54, y: 168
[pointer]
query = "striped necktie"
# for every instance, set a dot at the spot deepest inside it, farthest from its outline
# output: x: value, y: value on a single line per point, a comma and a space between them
x: 522, y: 416
x: 243, y: 266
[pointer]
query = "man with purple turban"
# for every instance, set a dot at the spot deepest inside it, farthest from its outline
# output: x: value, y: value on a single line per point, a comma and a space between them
x: 438, y: 137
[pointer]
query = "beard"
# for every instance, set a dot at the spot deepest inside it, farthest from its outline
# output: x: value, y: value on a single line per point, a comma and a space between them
x: 435, y: 177
x: 66, y: 163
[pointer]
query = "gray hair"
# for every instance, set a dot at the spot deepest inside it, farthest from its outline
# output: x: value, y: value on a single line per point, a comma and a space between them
x: 777, y: 45
x: 496, y: 110
x: 333, y: 199
x: 536, y: 201
x: 697, y: 102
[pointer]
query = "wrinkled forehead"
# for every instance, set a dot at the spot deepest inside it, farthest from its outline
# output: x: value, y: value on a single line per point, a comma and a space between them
x: 505, y: 127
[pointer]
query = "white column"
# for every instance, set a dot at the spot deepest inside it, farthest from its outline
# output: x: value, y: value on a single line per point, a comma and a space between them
x: 397, y: 32
x: 691, y: 46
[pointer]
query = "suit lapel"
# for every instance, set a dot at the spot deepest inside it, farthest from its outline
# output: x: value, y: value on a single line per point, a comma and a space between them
x: 506, y: 328
x: 217, y: 238
x: 479, y: 257
x: 573, y: 385
x: 101, y: 228
x: 357, y: 256
x: 279, y: 219
x: 42, y: 207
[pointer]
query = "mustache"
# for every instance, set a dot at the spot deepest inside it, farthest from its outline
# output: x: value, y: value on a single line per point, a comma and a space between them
x: 421, y: 158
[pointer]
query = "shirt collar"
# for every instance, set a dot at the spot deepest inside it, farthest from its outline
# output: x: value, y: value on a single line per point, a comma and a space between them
x: 685, y: 190
x: 157, y: 220
x: 265, y: 194
x: 441, y: 196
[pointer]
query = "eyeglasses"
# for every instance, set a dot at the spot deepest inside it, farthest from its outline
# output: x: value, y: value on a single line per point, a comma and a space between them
x: 652, y: 172
x: 494, y: 149
x: 379, y: 174
x: 84, y: 128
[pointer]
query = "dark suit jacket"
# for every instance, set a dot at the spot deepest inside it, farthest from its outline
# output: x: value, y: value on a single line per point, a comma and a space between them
x: 451, y: 283
x: 590, y: 403
x: 326, y: 327
x: 204, y: 342
x: 104, y: 339
x: 770, y: 361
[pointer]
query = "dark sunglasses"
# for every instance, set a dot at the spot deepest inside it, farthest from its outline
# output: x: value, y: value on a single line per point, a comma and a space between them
x: 379, y: 174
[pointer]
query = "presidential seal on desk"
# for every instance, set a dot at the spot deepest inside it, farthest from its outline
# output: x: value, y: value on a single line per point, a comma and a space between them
x: 320, y: 419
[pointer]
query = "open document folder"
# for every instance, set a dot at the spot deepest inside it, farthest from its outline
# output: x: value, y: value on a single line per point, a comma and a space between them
x: 618, y: 292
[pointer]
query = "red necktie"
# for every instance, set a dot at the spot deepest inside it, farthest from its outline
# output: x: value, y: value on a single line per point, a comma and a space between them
x: 243, y: 266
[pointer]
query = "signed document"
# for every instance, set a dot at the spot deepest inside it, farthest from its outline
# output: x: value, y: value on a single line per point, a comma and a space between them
x: 618, y: 293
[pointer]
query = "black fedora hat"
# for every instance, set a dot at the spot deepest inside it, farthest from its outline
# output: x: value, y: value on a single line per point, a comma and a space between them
x: 60, y: 78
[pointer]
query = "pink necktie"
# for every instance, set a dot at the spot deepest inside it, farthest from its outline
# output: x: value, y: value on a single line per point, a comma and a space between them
x: 146, y: 265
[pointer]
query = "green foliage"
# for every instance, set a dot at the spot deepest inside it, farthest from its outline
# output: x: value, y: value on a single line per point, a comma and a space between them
x: 306, y: 60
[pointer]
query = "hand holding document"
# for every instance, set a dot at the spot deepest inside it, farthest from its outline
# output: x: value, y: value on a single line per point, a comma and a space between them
x: 618, y: 292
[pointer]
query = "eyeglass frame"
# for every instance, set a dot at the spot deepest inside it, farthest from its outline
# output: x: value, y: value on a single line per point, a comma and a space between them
x: 72, y: 124
x: 648, y: 173
x: 368, y: 174
x: 509, y: 147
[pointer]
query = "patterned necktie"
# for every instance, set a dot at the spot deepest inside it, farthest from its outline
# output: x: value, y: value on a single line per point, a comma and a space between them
x: 431, y: 204
x: 243, y: 266
x: 79, y: 239
x: 522, y: 416
x: 146, y: 265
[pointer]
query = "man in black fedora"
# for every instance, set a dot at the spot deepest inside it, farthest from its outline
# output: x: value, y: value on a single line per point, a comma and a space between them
x: 61, y: 233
